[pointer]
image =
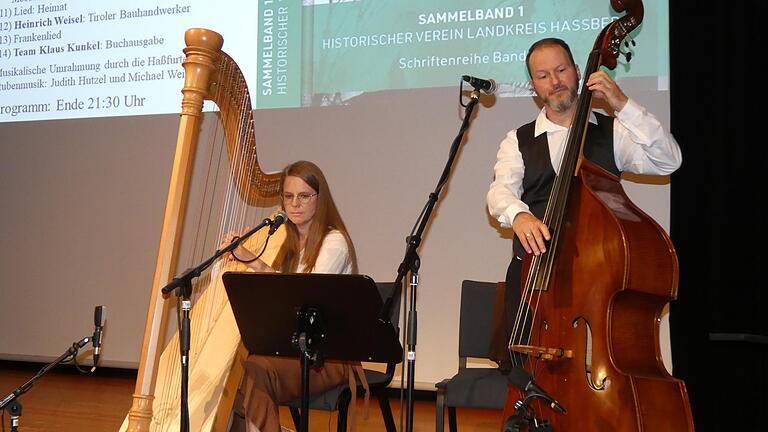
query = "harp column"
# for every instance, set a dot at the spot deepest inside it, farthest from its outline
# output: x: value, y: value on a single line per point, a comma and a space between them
x: 203, y: 52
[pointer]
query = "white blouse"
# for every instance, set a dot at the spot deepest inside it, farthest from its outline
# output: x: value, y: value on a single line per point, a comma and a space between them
x: 334, y: 256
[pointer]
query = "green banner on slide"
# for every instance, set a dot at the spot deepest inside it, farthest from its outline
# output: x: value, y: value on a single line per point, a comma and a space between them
x: 279, y: 54
x: 354, y: 46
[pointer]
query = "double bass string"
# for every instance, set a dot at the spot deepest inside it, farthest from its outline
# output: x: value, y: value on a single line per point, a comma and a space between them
x: 539, y: 274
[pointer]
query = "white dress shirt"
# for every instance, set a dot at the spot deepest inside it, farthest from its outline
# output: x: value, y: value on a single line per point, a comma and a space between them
x: 640, y: 145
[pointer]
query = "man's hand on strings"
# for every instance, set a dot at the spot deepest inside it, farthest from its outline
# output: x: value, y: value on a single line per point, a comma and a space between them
x: 604, y: 87
x: 532, y: 232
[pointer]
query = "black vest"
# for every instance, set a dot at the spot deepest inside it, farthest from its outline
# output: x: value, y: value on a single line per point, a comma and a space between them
x: 539, y: 175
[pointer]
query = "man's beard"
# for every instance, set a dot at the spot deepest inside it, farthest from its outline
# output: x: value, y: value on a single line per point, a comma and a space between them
x: 562, y: 105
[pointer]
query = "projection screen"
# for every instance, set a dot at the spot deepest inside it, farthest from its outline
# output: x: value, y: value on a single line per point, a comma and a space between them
x: 367, y: 89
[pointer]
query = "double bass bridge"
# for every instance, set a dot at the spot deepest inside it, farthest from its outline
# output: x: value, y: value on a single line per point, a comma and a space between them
x: 543, y: 353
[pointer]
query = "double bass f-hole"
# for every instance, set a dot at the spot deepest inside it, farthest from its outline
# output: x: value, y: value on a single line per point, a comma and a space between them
x: 594, y: 382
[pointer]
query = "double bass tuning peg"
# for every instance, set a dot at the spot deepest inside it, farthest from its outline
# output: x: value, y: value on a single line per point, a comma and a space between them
x: 628, y: 54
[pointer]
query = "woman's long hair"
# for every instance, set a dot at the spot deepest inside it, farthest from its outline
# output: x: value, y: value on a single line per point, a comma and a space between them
x: 326, y: 219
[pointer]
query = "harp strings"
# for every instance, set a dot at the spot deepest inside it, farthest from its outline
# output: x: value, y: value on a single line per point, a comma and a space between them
x: 230, y: 169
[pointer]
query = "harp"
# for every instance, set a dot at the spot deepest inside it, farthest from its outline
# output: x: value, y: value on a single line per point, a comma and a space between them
x: 210, y: 74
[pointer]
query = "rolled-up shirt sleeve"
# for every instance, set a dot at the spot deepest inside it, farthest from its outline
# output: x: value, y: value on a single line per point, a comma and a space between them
x: 504, y: 194
x: 642, y: 145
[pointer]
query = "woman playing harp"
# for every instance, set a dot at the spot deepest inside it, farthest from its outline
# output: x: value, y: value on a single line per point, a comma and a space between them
x: 316, y: 242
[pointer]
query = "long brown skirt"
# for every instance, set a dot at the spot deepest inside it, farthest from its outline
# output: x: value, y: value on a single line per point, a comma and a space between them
x: 271, y: 381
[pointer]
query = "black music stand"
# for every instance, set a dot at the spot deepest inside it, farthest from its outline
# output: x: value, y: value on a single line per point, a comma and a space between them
x: 313, y: 317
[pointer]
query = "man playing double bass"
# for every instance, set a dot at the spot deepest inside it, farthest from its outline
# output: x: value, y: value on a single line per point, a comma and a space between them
x: 529, y: 157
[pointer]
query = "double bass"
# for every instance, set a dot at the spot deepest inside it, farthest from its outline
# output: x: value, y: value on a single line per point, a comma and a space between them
x: 592, y: 303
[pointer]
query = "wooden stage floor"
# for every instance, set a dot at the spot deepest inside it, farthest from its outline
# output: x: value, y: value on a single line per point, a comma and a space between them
x: 66, y: 401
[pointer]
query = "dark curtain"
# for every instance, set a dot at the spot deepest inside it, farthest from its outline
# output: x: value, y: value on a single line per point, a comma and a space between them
x: 718, y: 89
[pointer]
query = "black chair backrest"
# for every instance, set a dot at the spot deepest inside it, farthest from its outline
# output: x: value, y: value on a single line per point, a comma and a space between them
x: 476, y: 317
x: 385, y: 290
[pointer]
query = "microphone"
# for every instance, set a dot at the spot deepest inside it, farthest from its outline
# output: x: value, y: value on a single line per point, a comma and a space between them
x: 488, y: 86
x: 279, y: 220
x: 522, y: 380
x: 98, y: 321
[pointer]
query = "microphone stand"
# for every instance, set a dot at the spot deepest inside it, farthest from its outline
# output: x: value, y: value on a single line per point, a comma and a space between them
x: 11, y: 401
x: 184, y: 283
x: 411, y: 261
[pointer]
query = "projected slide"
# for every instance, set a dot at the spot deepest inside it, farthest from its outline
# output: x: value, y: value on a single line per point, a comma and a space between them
x: 75, y: 59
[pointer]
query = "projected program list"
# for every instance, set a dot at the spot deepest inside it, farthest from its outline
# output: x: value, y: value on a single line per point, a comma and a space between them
x: 62, y: 60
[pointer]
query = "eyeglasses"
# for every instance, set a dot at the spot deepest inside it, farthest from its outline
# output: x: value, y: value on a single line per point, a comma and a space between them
x: 303, y: 198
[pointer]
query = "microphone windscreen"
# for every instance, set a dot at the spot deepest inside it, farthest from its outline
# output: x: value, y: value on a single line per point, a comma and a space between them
x: 281, y: 216
x: 99, y: 314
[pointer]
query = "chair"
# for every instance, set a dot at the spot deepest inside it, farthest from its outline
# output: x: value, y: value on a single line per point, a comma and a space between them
x: 472, y: 387
x: 338, y: 398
